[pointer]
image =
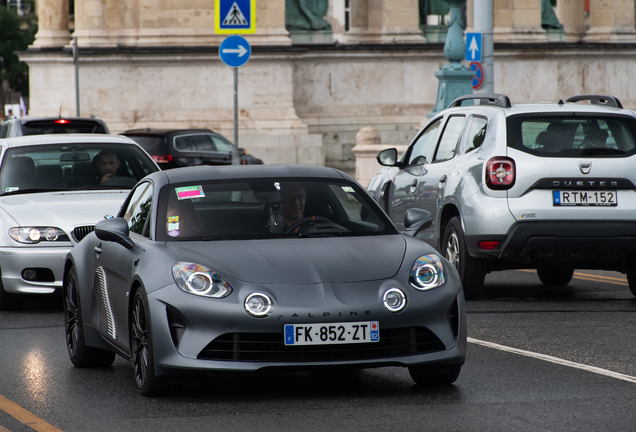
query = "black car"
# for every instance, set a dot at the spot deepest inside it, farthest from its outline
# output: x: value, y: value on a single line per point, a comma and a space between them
x: 22, y: 126
x: 175, y: 148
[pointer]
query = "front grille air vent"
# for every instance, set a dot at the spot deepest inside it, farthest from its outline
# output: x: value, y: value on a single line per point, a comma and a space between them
x: 269, y: 347
x: 82, y: 231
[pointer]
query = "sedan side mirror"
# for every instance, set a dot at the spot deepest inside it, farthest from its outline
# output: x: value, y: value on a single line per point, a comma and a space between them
x: 114, y: 230
x: 388, y: 157
x: 416, y: 220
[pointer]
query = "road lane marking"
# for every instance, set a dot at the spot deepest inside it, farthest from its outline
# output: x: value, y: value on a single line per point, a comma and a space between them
x: 591, y: 277
x: 556, y: 360
x: 24, y: 416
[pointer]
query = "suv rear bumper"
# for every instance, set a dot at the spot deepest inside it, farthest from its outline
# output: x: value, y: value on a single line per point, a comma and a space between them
x: 580, y: 244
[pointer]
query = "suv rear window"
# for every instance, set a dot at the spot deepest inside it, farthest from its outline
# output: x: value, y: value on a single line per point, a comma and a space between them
x: 40, y: 127
x: 154, y: 145
x: 572, y: 135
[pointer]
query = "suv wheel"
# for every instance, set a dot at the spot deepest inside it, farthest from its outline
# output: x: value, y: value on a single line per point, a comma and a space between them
x: 555, y: 277
x: 631, y: 280
x: 471, y: 270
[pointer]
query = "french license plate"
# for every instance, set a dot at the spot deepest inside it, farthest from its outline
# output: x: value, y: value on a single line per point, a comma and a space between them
x: 333, y: 333
x: 585, y: 198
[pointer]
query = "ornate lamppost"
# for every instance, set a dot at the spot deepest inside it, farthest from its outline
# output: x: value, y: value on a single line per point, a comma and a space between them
x: 455, y: 79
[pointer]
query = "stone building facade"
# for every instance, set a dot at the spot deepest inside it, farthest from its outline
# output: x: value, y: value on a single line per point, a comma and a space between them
x: 307, y: 91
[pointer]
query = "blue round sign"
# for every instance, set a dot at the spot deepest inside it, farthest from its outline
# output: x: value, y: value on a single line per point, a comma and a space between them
x: 235, y: 51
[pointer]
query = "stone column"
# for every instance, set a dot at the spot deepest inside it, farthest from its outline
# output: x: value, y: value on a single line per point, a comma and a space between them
x: 385, y: 21
x: 518, y: 21
x: 611, y: 21
x: 53, y: 28
x: 90, y: 24
x: 270, y: 24
x: 571, y: 14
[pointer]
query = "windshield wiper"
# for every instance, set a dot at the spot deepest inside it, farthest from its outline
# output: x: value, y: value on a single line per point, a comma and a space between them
x: 601, y: 151
x: 33, y: 190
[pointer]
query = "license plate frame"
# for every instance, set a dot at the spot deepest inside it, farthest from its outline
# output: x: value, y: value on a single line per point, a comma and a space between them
x: 334, y: 333
x: 584, y: 198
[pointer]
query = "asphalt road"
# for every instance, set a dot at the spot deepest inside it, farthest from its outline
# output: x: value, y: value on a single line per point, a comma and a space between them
x: 540, y: 358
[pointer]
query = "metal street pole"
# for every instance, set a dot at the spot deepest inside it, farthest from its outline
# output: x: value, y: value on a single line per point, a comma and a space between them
x: 76, y: 61
x: 483, y: 25
x: 236, y: 143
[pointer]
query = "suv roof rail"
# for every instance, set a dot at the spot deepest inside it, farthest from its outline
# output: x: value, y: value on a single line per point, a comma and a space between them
x: 609, y: 101
x: 494, y: 99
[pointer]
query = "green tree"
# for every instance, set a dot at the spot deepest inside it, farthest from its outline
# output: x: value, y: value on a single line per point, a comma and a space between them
x: 16, y: 34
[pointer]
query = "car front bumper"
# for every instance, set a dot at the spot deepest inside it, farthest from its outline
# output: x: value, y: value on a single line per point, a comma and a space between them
x: 13, y: 261
x: 206, y: 321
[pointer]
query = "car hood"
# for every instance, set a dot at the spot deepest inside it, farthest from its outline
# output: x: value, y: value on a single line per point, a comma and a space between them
x: 300, y: 260
x: 63, y: 210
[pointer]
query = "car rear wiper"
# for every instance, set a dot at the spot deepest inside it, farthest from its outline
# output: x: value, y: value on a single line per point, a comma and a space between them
x: 32, y: 190
x: 601, y: 151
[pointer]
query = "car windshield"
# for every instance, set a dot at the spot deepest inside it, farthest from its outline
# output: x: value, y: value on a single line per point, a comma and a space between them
x: 573, y: 135
x: 267, y: 208
x: 40, y: 127
x: 73, y: 166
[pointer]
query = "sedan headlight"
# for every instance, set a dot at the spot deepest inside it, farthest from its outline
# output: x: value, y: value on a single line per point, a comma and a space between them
x: 200, y: 280
x: 427, y: 273
x: 31, y: 235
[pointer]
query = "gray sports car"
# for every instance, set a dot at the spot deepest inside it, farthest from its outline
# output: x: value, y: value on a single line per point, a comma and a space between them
x: 263, y: 266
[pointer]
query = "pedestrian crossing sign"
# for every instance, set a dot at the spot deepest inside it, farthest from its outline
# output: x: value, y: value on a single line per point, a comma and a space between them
x: 234, y: 16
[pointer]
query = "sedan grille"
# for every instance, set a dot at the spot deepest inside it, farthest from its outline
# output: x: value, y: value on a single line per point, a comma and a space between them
x: 269, y: 347
x: 82, y: 231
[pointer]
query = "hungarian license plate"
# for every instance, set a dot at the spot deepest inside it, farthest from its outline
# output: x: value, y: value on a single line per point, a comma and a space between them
x: 585, y: 198
x: 333, y: 333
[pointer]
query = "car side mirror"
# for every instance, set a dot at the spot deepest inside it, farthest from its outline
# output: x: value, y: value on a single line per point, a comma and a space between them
x: 388, y: 157
x: 416, y: 220
x: 114, y: 230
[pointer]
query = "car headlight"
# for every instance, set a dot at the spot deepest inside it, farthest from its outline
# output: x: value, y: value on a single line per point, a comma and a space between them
x: 200, y: 280
x: 31, y: 235
x: 427, y: 273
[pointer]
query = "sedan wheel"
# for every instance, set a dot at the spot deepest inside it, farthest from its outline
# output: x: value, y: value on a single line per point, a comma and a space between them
x: 80, y: 354
x: 471, y: 270
x: 141, y: 348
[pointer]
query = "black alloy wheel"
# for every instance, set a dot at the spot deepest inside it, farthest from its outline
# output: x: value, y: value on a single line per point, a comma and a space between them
x: 471, y: 270
x: 142, y: 350
x: 555, y: 277
x: 435, y: 375
x: 80, y: 354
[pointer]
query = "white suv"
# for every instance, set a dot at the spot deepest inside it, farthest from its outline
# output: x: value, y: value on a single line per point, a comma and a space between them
x: 550, y: 187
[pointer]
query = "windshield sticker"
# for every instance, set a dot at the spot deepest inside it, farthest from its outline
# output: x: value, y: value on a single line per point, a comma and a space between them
x: 173, y: 226
x: 348, y: 189
x: 172, y: 219
x: 189, y: 192
x: 11, y: 189
x: 173, y: 233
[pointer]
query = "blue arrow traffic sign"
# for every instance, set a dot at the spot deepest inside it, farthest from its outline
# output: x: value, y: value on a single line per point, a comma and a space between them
x: 473, y: 47
x: 235, y: 51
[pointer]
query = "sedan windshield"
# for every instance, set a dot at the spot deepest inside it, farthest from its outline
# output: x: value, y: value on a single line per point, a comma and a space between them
x: 72, y: 167
x: 267, y: 208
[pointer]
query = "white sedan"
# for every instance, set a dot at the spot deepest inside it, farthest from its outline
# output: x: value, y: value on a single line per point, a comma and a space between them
x: 53, y: 190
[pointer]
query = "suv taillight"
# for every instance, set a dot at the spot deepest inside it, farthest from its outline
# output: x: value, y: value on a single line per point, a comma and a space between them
x: 162, y: 158
x: 500, y: 173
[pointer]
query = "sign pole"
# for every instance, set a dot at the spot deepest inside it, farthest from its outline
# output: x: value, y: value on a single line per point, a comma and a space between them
x: 76, y: 62
x: 236, y: 112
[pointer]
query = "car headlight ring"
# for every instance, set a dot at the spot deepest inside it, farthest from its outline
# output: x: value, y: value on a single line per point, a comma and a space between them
x: 200, y: 280
x: 427, y: 273
x: 259, y: 305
